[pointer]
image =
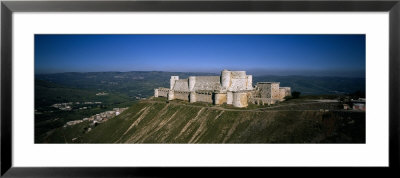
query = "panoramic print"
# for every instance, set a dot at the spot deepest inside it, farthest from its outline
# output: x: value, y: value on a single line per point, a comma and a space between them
x: 200, y: 88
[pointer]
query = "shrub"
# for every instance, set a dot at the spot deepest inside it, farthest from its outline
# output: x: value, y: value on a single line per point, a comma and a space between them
x: 295, y: 94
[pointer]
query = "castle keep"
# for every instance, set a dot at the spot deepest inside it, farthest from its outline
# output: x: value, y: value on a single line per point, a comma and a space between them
x: 232, y: 87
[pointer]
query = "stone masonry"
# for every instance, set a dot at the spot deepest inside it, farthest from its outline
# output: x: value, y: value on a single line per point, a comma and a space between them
x: 231, y: 87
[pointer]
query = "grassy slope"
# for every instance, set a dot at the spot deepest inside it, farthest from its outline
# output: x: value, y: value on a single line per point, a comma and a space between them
x: 48, y: 93
x: 167, y: 123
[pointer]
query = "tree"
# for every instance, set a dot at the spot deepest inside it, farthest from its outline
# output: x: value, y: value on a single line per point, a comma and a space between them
x: 296, y: 94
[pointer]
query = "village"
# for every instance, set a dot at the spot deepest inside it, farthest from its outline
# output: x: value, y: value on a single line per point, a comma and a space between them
x: 69, y: 106
x: 98, y: 118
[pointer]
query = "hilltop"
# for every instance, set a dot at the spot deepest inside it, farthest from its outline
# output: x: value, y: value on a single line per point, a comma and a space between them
x: 158, y: 121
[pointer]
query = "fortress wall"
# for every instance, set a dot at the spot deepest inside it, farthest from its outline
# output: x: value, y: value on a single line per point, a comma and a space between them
x: 262, y: 101
x: 275, y: 90
x: 172, y: 81
x: 192, y: 82
x: 181, y: 85
x: 155, y: 92
x: 192, y: 97
x: 229, y: 97
x: 225, y: 79
x: 219, y: 98
x: 202, y: 97
x: 181, y: 95
x: 238, y: 84
x: 249, y: 84
x: 238, y: 74
x: 240, y: 99
x: 287, y: 91
x: 171, y: 95
x: 162, y: 92
x: 207, y: 83
x: 264, y: 90
x: 282, y: 93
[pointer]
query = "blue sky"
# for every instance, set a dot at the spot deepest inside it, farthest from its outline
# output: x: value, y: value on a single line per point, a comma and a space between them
x: 259, y: 54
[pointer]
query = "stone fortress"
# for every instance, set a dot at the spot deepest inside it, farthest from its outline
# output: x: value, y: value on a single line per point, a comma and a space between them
x: 232, y: 87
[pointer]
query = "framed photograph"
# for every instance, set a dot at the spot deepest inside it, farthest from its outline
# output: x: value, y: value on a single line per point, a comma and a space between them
x: 159, y: 88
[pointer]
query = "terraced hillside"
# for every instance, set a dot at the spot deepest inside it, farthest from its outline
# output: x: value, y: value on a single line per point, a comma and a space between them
x: 174, y: 122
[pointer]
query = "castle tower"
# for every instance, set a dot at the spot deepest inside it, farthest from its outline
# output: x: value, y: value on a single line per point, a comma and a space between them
x: 240, y: 99
x: 192, y: 82
x: 219, y: 98
x: 192, y: 97
x: 172, y: 81
x: 225, y: 79
x: 229, y: 97
x: 249, y: 83
x: 171, y: 95
x: 156, y: 92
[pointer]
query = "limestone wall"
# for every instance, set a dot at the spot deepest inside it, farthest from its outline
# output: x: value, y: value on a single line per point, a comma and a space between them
x: 240, y: 99
x: 275, y: 91
x: 287, y: 91
x: 171, y: 95
x: 207, y: 83
x: 204, y: 97
x: 238, y: 74
x: 268, y: 90
x: 249, y: 84
x: 219, y: 98
x: 229, y: 97
x: 262, y: 101
x: 238, y: 84
x: 282, y: 93
x: 192, y: 82
x: 192, y: 97
x: 225, y: 79
x: 172, y: 81
x: 163, y: 92
x: 181, y: 85
x: 263, y: 90
x: 181, y: 95
x: 155, y: 92
x: 238, y: 81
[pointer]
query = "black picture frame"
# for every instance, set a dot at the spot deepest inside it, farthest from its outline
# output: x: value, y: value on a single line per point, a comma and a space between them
x: 8, y: 7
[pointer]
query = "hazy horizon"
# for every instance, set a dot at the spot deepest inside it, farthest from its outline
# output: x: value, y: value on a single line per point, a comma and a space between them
x: 346, y: 74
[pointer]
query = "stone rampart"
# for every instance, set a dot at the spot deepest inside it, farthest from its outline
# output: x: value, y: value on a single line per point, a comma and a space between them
x: 156, y: 92
x: 163, y: 92
x: 192, y: 82
x: 219, y: 98
x: 172, y: 81
x: 192, y: 97
x: 275, y: 91
x: 225, y: 79
x: 181, y: 85
x: 229, y: 97
x: 231, y: 87
x: 204, y: 97
x: 171, y: 95
x: 262, y: 101
x: 240, y: 99
x: 181, y: 95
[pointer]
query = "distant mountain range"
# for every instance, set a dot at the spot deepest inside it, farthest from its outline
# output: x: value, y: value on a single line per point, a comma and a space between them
x: 143, y: 82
